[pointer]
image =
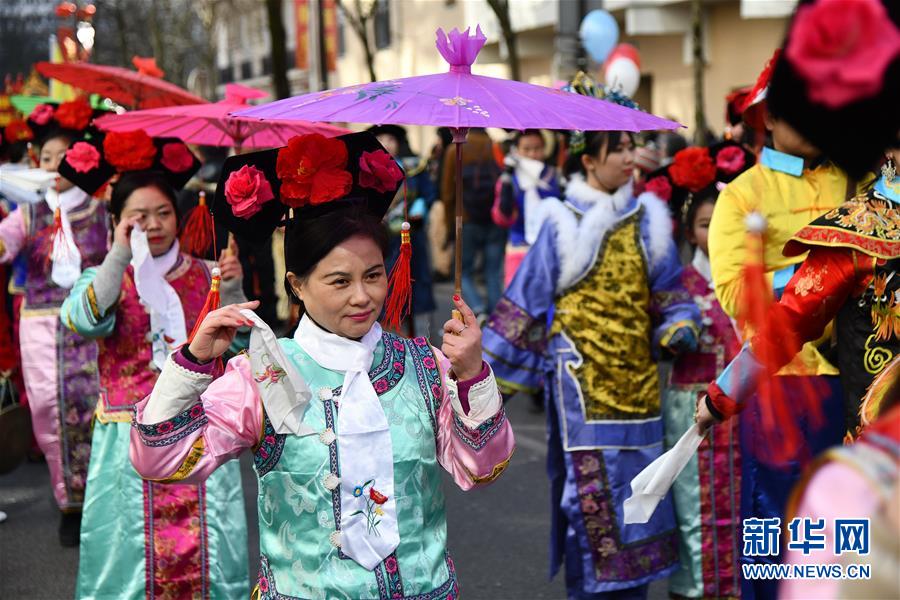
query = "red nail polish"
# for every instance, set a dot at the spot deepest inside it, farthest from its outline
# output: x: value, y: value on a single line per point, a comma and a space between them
x: 456, y: 297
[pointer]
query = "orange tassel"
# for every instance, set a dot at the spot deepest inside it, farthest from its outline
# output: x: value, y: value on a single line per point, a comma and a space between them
x: 197, y: 235
x: 778, y: 416
x: 32, y: 156
x: 399, y: 301
x: 213, y: 300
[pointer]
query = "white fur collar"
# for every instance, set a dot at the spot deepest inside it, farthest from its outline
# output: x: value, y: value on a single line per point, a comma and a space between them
x: 581, y: 197
x: 578, y: 240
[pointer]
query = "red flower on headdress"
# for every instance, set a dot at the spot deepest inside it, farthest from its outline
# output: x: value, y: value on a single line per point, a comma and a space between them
x: 842, y: 49
x: 313, y: 170
x: 83, y: 157
x: 42, y: 113
x: 730, y: 160
x: 18, y: 131
x: 693, y: 168
x: 246, y: 190
x: 379, y: 171
x: 74, y: 114
x: 176, y: 157
x: 129, y: 150
x: 660, y: 187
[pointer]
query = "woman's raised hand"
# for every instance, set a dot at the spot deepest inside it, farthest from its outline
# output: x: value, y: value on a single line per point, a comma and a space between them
x: 462, y: 343
x: 218, y: 330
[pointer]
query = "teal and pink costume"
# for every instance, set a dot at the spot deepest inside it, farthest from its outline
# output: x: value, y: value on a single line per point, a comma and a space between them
x: 152, y: 539
x: 434, y: 422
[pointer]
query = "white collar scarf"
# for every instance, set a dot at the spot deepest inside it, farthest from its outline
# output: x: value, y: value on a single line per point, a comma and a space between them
x: 167, y: 327
x: 581, y: 197
x: 369, y: 531
x: 701, y: 263
x: 64, y: 253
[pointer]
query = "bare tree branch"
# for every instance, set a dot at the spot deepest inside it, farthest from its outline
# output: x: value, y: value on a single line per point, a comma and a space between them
x: 501, y: 10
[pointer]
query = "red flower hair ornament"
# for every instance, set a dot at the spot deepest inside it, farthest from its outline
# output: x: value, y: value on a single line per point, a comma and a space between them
x: 660, y: 187
x: 693, y: 168
x: 74, y: 114
x: 129, y: 150
x: 378, y: 171
x: 18, y: 131
x: 313, y: 170
x: 842, y: 49
x: 176, y: 157
x: 246, y: 190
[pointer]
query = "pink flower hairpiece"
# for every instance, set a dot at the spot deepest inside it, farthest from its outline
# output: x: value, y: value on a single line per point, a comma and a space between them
x: 83, y: 157
x: 842, y: 48
x: 246, y: 190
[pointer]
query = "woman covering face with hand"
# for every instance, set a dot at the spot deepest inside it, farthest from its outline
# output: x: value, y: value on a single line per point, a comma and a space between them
x: 348, y: 424
x: 139, y: 305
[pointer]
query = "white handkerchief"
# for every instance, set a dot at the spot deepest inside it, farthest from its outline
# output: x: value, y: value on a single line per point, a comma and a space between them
x: 654, y: 482
x: 284, y: 393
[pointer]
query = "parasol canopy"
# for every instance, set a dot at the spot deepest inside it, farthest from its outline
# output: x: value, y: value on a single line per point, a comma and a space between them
x: 209, y: 124
x: 136, y: 89
x: 460, y: 99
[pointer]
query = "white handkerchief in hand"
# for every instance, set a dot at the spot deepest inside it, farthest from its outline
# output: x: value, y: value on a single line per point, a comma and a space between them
x: 654, y: 482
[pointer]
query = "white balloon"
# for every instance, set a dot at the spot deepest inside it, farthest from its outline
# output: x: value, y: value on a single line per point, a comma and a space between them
x: 624, y: 75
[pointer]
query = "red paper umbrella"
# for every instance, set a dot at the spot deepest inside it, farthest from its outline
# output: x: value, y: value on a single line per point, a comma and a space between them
x: 135, y: 89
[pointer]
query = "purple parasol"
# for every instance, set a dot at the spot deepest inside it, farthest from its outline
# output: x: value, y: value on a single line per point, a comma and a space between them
x: 460, y: 100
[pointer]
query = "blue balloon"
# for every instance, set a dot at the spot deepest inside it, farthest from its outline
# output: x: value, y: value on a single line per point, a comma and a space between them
x: 599, y: 34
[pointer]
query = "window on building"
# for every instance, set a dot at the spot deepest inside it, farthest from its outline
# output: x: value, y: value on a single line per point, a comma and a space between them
x: 382, y: 24
x: 226, y: 74
x: 266, y: 65
x: 246, y: 70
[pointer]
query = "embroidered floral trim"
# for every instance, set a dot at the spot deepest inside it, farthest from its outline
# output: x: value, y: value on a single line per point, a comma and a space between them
x: 268, y: 452
x: 496, y: 471
x: 613, y: 560
x: 172, y: 430
x: 481, y: 435
x: 428, y: 376
x: 514, y: 324
x: 811, y: 282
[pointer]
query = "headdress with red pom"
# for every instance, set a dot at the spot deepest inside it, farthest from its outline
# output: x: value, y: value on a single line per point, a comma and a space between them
x: 696, y: 169
x: 308, y: 178
x: 91, y: 163
x: 74, y: 116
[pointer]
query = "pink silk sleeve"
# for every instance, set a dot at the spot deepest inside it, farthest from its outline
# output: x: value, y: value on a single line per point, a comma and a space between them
x: 217, y: 426
x: 856, y: 499
x: 474, y: 443
x: 12, y: 235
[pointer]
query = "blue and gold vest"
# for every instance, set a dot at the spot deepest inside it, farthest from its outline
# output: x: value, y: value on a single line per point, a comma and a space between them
x: 299, y: 503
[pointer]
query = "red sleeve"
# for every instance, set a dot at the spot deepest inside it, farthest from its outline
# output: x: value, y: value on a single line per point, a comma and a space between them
x: 810, y: 301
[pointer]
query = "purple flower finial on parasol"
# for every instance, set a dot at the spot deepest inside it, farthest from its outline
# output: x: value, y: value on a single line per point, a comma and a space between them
x: 460, y: 49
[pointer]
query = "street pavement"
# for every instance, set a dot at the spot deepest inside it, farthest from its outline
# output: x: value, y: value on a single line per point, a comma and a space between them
x: 498, y: 535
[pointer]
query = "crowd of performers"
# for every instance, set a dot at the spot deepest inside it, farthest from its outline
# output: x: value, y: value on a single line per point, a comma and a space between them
x: 749, y: 286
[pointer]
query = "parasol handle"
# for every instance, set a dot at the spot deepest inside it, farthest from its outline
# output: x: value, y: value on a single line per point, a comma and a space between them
x: 459, y: 138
